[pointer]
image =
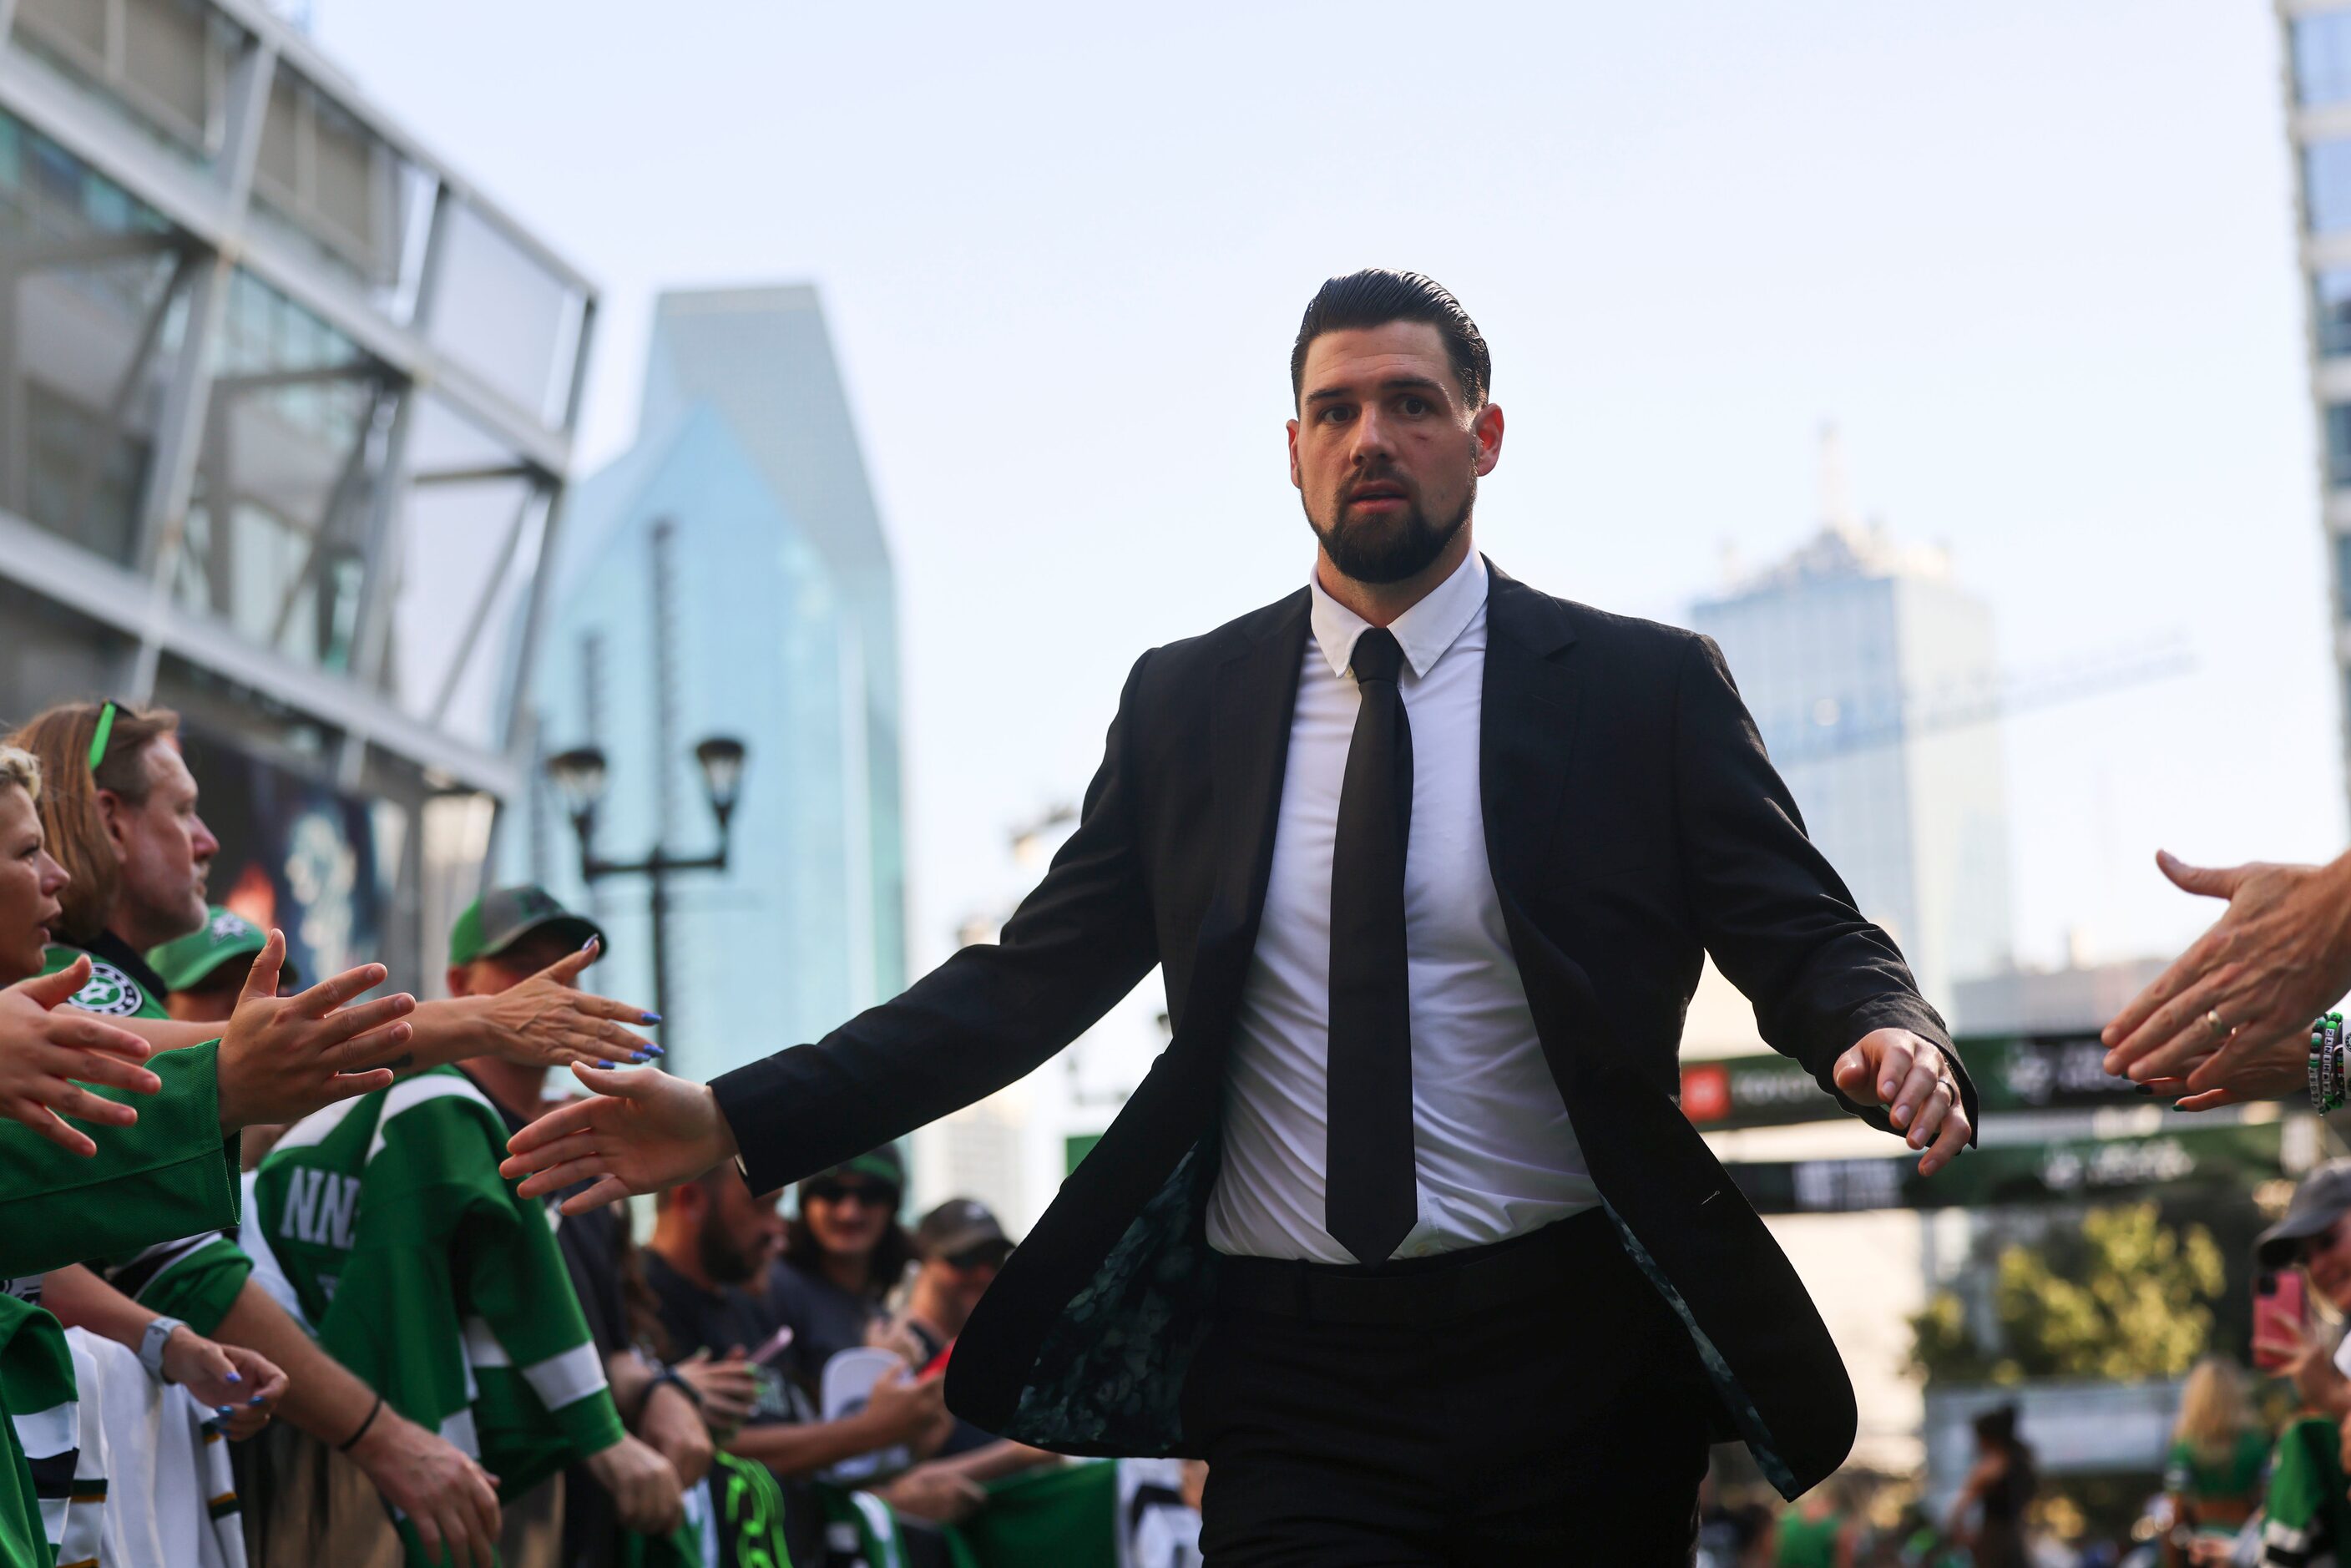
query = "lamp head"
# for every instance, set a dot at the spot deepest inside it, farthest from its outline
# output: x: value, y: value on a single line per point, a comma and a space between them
x: 578, y: 775
x: 721, y: 758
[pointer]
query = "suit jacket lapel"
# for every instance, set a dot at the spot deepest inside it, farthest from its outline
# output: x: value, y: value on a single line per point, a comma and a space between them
x: 1248, y: 747
x: 1527, y: 728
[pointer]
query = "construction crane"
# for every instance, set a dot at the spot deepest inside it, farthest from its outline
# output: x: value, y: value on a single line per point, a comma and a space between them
x: 1833, y: 727
x: 1823, y: 725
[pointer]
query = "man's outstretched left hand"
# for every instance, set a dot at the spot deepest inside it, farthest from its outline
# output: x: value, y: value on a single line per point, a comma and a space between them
x: 1912, y: 1078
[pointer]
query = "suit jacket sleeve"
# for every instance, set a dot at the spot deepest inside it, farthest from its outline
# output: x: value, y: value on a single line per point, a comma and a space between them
x: 1775, y: 914
x: 987, y: 1017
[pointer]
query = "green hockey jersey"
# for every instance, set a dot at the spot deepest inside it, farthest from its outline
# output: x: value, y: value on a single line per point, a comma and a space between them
x: 420, y: 1271
x: 2305, y: 1520
x: 111, y: 990
x: 171, y: 1174
x: 39, y: 1432
x: 194, y: 1277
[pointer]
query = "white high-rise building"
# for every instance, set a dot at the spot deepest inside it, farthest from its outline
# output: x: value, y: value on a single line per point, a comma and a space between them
x: 1872, y: 675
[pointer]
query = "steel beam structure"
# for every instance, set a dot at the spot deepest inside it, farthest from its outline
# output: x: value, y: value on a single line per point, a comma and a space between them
x: 106, y: 593
x: 210, y: 208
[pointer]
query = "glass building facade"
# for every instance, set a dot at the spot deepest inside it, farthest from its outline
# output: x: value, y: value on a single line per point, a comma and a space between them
x: 2318, y: 122
x: 729, y: 575
x: 1871, y: 675
x: 286, y: 407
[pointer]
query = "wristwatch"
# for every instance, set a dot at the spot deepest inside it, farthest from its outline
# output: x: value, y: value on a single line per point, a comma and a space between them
x: 151, y: 1346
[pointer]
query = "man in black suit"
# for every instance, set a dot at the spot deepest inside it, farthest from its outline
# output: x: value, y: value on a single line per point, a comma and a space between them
x: 1403, y: 1232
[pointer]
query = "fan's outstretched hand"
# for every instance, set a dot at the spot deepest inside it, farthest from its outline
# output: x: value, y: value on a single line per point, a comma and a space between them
x: 47, y: 1050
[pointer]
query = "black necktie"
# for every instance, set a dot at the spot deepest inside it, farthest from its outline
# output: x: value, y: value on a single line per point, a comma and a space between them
x: 1370, y: 1202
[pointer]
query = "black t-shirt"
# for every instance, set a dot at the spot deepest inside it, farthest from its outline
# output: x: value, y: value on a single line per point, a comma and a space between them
x: 720, y: 1320
x: 825, y: 1320
x: 728, y: 1318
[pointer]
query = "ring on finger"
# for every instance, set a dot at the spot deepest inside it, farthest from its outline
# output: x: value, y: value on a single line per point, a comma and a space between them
x: 2215, y: 1025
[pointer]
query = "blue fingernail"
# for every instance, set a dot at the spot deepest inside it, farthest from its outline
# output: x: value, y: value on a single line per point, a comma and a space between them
x: 653, y: 1050
x: 649, y: 1018
x: 637, y: 1056
x: 589, y: 943
x: 232, y: 1377
x: 608, y: 1066
x: 225, y: 1409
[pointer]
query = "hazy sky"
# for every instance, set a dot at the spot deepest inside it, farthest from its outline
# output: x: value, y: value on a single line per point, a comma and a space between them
x: 2035, y: 260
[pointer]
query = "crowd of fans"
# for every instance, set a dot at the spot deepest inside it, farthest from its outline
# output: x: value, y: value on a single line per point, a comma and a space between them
x: 267, y: 1300
x: 2247, y: 1482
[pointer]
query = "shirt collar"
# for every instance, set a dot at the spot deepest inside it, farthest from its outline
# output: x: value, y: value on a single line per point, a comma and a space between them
x: 1424, y: 632
x: 112, y: 949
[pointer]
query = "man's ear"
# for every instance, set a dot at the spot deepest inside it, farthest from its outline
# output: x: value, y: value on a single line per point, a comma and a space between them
x: 459, y: 978
x: 1486, y: 429
x: 1293, y: 456
x: 114, y: 812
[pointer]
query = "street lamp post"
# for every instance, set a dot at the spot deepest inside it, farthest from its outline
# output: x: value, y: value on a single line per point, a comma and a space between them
x: 579, y: 777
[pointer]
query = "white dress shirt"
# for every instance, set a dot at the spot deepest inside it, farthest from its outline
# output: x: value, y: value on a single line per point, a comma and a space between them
x: 1493, y: 1153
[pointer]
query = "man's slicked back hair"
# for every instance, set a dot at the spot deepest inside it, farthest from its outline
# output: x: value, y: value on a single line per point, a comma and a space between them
x: 1378, y: 296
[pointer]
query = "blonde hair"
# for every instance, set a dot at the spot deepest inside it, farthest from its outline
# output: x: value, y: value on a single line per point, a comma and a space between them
x: 22, y: 769
x: 60, y: 739
x: 2214, y: 1412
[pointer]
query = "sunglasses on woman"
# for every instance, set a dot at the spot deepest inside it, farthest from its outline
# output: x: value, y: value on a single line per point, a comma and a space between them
x: 869, y: 1194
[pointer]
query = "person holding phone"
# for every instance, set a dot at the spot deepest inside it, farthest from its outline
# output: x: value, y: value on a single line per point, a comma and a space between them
x: 2287, y: 1338
x: 2307, y: 1515
x: 713, y: 1237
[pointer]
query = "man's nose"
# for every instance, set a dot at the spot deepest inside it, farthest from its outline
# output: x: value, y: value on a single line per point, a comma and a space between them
x: 1371, y: 437
x: 206, y: 846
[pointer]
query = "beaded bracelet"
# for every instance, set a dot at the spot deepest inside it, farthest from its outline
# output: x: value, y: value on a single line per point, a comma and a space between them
x: 2330, y: 1085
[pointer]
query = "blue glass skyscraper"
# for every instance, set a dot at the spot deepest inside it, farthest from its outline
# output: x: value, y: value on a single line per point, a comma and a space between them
x: 747, y: 479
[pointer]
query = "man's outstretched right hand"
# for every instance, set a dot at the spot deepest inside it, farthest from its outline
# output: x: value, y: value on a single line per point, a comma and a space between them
x: 637, y: 1131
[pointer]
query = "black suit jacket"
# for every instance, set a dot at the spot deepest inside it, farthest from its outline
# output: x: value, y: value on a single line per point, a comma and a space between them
x: 1633, y: 823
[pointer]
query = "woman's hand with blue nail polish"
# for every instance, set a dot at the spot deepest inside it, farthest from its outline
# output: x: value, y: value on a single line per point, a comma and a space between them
x: 242, y: 1387
x: 547, y: 1021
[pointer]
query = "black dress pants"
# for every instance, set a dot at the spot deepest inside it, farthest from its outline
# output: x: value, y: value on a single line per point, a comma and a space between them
x: 1534, y: 1402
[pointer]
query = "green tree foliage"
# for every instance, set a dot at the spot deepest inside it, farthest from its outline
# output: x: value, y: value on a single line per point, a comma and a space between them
x: 2122, y: 1297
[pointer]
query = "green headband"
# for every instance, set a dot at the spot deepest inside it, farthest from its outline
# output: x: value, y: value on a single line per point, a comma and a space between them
x: 105, y: 733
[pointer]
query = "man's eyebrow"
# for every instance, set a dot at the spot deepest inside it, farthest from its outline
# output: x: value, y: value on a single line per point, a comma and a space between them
x: 1393, y: 383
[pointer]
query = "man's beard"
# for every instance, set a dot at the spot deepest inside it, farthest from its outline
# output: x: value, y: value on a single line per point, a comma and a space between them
x: 1404, y: 552
x: 723, y: 1262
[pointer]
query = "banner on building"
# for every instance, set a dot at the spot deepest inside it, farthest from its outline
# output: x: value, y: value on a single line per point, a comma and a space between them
x: 2012, y: 1072
x: 295, y: 854
x: 2223, y: 1162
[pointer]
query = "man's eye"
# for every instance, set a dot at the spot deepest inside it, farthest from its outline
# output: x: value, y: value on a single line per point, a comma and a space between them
x: 1415, y: 406
x: 1332, y: 413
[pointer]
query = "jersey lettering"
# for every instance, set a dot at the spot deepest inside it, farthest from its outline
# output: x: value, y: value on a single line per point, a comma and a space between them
x: 319, y: 1208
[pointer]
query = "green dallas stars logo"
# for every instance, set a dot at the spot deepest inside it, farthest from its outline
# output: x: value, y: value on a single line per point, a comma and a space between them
x: 109, y: 992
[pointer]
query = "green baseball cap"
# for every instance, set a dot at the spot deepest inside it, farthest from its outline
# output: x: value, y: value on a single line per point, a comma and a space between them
x: 503, y: 917
x: 189, y: 962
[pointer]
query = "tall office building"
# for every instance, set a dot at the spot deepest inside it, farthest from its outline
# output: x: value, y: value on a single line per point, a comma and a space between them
x: 2318, y: 121
x: 1871, y: 673
x: 285, y: 410
x: 740, y: 527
